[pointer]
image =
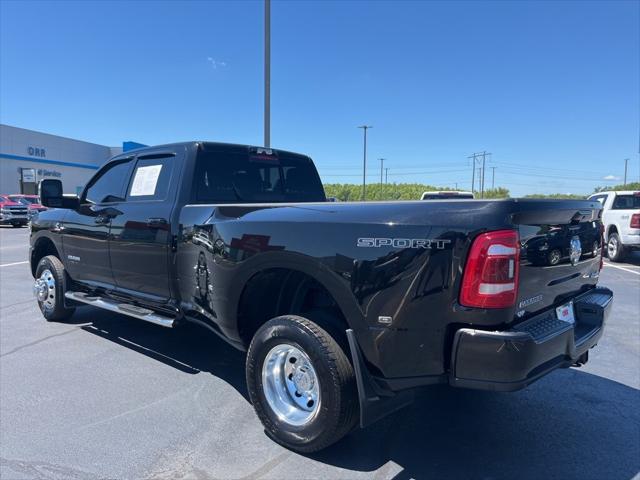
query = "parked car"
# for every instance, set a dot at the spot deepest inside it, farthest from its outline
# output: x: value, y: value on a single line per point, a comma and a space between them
x: 12, y: 212
x: 555, y: 245
x: 343, y: 308
x: 31, y: 201
x: 621, y: 220
x: 447, y: 195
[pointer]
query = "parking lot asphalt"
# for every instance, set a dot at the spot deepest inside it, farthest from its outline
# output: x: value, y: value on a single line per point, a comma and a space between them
x: 106, y: 396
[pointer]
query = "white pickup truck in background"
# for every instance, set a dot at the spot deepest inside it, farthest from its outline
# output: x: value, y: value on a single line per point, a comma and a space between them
x: 621, y: 221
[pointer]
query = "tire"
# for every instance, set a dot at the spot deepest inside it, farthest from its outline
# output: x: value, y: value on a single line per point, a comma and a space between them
x: 554, y: 257
x: 335, y: 410
x: 49, y: 287
x: 615, y: 250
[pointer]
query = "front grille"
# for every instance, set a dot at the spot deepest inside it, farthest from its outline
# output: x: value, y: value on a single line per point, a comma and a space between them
x: 17, y: 210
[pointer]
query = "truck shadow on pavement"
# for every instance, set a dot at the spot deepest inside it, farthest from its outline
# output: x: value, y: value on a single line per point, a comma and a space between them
x: 189, y: 348
x: 571, y: 424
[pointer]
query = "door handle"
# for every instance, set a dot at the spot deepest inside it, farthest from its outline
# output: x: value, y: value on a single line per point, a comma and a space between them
x: 156, y: 222
x: 101, y: 220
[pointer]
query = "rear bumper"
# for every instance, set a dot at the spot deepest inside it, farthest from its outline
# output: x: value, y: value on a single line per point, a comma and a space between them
x: 511, y: 360
x: 631, y: 239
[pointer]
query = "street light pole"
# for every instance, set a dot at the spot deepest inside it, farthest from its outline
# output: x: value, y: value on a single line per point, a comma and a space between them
x: 267, y: 73
x: 381, y: 169
x: 364, y: 162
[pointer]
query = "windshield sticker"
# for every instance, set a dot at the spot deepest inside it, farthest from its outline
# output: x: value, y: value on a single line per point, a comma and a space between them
x: 145, y: 181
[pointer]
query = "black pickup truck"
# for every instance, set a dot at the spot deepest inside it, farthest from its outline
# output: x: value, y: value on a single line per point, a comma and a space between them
x: 343, y: 308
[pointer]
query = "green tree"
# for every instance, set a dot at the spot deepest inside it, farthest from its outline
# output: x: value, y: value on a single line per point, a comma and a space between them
x: 567, y: 196
x: 348, y: 192
x: 628, y: 186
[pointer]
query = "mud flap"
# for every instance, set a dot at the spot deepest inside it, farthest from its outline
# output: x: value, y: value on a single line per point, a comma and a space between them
x: 376, y: 402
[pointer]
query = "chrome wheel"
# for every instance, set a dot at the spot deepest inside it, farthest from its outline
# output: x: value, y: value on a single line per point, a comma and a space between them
x: 44, y: 289
x: 612, y: 247
x: 290, y: 385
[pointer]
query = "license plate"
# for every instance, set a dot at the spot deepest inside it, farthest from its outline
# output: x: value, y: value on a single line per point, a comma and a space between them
x: 565, y: 313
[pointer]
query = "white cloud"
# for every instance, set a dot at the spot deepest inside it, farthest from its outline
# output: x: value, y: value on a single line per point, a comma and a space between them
x: 611, y: 177
x: 216, y: 63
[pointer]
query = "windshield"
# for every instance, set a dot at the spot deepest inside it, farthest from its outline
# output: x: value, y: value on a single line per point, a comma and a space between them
x: 24, y: 200
x: 232, y: 177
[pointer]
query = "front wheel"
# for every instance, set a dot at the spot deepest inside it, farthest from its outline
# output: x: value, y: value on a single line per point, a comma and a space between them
x: 301, y: 383
x: 49, y: 289
x: 615, y: 249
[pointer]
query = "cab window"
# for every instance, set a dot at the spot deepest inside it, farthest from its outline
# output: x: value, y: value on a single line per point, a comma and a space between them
x: 109, y: 185
x: 151, y: 178
x: 626, y: 202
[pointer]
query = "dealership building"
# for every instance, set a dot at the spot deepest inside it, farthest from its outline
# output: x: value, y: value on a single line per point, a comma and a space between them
x: 27, y: 156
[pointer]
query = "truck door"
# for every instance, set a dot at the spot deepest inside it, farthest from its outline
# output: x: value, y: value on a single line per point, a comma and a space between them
x: 140, y: 237
x: 85, y: 232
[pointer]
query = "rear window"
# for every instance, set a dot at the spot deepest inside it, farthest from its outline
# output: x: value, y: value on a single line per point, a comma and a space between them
x: 247, y: 177
x: 446, y: 196
x: 626, y: 202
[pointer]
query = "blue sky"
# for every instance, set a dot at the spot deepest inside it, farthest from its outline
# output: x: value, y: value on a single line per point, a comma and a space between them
x: 551, y: 89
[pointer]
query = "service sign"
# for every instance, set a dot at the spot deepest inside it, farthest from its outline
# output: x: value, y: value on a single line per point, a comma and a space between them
x: 28, y: 175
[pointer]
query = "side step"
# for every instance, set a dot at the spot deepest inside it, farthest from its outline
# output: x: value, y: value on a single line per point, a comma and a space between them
x: 123, y: 308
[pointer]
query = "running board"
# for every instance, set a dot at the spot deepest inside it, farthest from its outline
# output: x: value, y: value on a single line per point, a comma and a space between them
x: 123, y: 308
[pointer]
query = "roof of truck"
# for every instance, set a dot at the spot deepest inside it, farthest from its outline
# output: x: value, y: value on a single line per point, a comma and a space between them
x: 207, y: 145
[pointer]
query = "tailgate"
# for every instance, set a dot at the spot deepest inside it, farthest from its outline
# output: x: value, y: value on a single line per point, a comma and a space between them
x: 560, y: 252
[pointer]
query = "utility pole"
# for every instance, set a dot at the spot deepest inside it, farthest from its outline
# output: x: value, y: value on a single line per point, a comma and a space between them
x: 626, y: 161
x: 386, y: 175
x: 364, y: 162
x: 381, y: 169
x: 484, y: 156
x: 267, y: 73
x: 493, y: 178
x: 473, y: 171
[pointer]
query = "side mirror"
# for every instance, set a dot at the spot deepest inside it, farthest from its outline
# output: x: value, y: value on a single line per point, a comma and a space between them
x: 50, y: 193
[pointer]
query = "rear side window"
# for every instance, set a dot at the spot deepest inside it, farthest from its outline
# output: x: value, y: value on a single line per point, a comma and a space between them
x: 110, y: 183
x: 626, y: 202
x: 239, y: 177
x: 151, y: 178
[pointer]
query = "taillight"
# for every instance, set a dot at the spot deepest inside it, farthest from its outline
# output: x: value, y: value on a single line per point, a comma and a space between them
x: 490, y: 278
x: 635, y: 220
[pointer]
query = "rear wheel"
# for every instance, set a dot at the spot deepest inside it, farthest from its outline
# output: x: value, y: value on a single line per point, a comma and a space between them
x: 615, y: 250
x: 554, y: 257
x: 49, y: 289
x: 301, y: 384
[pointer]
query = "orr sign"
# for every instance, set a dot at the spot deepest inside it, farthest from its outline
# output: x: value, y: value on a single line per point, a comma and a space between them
x: 36, y: 152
